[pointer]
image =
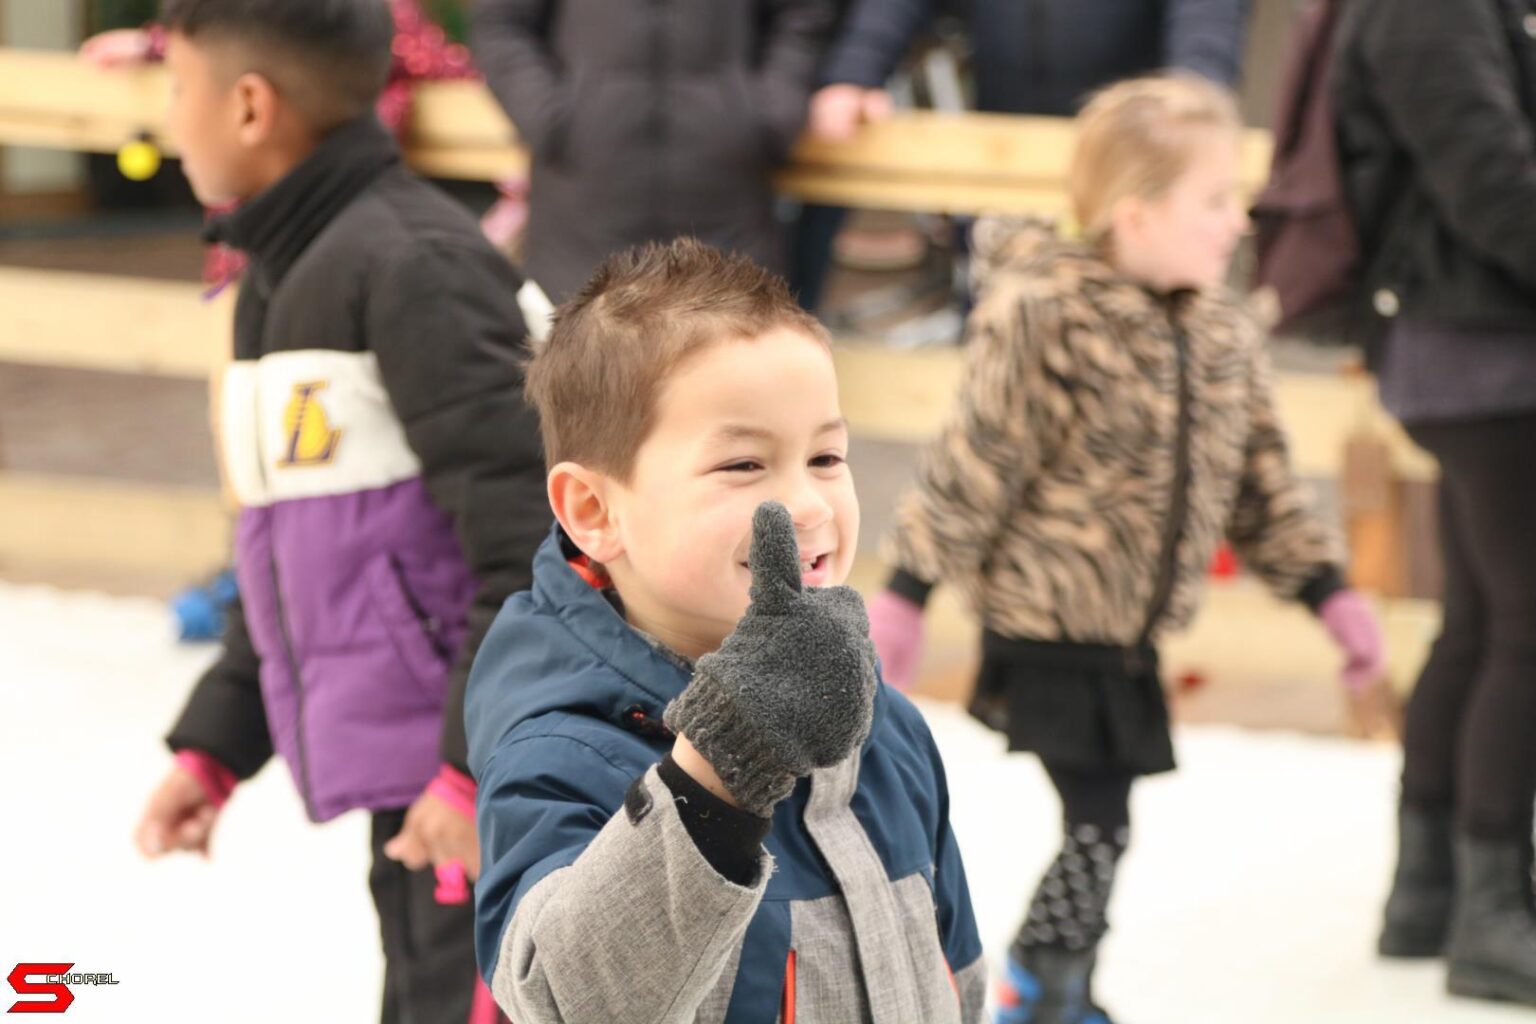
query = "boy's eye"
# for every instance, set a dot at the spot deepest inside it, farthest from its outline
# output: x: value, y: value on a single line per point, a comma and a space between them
x: 744, y: 466
x: 828, y: 461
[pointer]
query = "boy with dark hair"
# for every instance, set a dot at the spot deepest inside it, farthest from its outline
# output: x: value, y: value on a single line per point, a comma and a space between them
x: 697, y: 802
x: 329, y: 59
x: 375, y: 433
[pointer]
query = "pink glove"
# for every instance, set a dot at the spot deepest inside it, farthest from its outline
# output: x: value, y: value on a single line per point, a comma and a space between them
x: 1353, y: 625
x: 896, y: 627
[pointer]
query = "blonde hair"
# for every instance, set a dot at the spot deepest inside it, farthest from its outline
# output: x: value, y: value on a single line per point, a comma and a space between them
x: 1135, y: 138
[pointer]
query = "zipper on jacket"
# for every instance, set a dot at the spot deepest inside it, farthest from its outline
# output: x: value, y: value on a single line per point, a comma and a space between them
x: 1178, y: 509
x: 787, y: 1009
x: 306, y: 791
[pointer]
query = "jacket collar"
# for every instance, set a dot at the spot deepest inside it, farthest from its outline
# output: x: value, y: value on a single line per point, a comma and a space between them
x: 587, y: 614
x: 277, y: 225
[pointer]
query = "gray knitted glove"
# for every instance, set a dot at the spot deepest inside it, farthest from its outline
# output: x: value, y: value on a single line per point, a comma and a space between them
x: 792, y: 689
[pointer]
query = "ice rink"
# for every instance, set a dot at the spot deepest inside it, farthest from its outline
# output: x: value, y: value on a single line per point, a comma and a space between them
x: 1250, y: 895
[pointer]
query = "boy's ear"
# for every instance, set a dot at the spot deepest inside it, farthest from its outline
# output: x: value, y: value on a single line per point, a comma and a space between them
x: 257, y: 102
x: 580, y: 498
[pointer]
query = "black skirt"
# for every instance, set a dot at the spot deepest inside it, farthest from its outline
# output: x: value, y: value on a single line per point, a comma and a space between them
x: 1084, y: 706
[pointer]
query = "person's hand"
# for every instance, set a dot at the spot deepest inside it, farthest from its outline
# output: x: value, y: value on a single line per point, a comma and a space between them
x: 896, y: 627
x: 1352, y: 623
x: 436, y: 833
x: 118, y: 48
x: 792, y: 689
x: 179, y: 816
x: 838, y: 111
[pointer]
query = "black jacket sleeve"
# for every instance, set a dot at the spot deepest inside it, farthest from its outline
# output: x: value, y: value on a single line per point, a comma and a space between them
x: 225, y: 717
x: 1206, y: 37
x: 794, y: 36
x: 874, y: 38
x: 444, y: 322
x: 509, y: 42
x: 1447, y: 81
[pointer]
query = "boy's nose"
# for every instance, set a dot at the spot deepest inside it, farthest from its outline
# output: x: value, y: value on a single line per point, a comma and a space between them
x: 808, y: 508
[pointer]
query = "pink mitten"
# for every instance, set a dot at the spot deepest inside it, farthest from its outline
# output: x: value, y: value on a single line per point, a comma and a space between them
x: 896, y: 627
x: 1353, y: 625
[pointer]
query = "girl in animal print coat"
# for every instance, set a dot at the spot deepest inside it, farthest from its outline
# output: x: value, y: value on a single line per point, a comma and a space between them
x: 1115, y: 426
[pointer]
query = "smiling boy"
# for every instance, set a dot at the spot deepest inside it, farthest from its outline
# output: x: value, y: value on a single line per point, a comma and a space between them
x: 696, y: 800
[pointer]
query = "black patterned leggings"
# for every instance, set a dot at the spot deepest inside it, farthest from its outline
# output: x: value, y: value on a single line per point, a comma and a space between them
x: 1068, y: 909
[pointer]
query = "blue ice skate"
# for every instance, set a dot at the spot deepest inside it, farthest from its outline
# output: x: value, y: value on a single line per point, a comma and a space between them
x: 1047, y: 985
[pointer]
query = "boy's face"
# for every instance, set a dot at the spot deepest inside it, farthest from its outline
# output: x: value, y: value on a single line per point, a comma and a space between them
x: 208, y: 121
x: 737, y: 424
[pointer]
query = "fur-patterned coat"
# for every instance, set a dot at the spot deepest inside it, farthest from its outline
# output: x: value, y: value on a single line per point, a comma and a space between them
x: 1106, y: 440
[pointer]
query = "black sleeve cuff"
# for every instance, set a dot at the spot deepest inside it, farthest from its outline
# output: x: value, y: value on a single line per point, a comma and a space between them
x: 730, y: 838
x: 909, y: 587
x: 1326, y: 582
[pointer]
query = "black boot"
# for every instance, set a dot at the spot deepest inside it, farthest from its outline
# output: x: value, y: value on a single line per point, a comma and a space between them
x: 1418, y: 913
x: 1492, y: 949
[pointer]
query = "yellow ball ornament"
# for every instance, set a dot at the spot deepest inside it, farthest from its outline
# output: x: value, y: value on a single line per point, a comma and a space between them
x: 139, y: 160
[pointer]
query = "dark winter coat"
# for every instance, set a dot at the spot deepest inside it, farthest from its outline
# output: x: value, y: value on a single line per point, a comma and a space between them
x: 649, y: 120
x: 1046, y: 56
x: 1434, y: 103
x: 390, y: 476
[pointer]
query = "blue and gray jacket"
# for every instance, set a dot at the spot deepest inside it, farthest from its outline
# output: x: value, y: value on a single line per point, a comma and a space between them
x: 596, y: 904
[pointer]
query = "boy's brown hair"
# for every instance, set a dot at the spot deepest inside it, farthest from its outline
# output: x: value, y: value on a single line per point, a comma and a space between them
x: 597, y: 378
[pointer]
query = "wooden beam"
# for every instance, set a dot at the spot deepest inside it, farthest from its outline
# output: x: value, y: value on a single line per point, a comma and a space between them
x: 118, y: 324
x: 40, y: 205
x: 905, y: 396
x: 66, y: 522
x: 48, y: 98
x: 102, y: 322
x: 917, y: 160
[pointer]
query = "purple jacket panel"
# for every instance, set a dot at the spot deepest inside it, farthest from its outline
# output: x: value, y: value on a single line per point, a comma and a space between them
x: 356, y: 605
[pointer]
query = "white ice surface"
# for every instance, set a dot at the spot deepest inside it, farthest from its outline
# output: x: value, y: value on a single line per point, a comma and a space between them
x: 1250, y: 896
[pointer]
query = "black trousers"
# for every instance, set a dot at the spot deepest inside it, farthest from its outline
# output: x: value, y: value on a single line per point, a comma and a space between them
x: 1469, y: 740
x: 429, y: 948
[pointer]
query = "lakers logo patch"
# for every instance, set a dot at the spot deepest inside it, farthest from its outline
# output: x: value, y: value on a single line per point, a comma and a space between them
x: 312, y: 441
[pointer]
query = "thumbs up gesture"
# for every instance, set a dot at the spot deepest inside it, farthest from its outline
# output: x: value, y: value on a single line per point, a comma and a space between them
x: 792, y: 689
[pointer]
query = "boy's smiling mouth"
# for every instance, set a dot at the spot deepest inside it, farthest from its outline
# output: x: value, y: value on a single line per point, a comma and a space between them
x: 815, y: 570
